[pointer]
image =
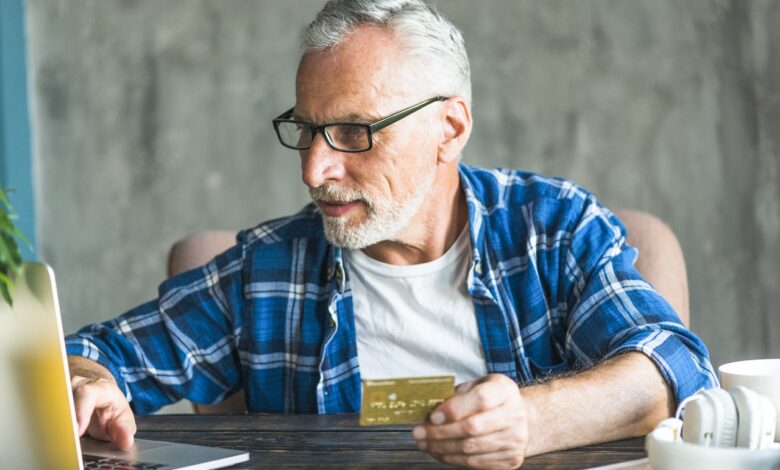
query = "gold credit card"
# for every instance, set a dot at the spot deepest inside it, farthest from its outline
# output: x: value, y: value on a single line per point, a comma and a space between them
x: 402, y: 401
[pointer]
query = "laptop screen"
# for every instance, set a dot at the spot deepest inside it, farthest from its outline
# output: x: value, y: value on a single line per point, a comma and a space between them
x: 38, y: 428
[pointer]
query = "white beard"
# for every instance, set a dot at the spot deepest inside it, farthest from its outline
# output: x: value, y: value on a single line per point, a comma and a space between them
x: 385, y: 219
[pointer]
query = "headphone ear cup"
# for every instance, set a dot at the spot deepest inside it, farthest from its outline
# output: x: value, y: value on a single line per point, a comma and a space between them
x: 756, y: 419
x: 726, y: 426
x: 768, y: 423
x: 749, y: 417
x: 711, y: 419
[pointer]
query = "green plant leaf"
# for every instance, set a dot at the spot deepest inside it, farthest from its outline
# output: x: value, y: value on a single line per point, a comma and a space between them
x: 10, y: 256
x: 6, y: 294
x: 6, y: 287
x: 12, y: 248
x: 4, y: 198
x: 10, y: 231
x: 5, y: 280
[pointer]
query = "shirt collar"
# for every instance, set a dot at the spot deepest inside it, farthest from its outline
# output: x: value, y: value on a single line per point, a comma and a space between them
x: 477, y: 272
x: 336, y: 266
x: 480, y: 261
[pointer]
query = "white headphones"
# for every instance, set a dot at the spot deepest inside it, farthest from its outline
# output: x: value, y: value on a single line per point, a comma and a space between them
x: 739, y: 417
x: 732, y: 429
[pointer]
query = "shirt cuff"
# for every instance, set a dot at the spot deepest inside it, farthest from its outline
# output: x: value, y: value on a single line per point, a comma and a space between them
x: 686, y: 370
x: 79, y: 345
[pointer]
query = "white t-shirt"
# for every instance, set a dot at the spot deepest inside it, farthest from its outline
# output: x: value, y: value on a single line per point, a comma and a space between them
x: 416, y: 320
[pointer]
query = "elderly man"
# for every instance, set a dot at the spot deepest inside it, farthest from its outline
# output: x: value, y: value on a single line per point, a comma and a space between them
x: 407, y: 263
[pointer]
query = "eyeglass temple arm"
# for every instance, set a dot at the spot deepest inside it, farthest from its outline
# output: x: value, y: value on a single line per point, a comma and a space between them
x: 379, y: 125
x: 285, y: 115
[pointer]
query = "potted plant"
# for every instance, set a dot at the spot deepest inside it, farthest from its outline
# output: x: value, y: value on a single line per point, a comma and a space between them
x: 10, y: 258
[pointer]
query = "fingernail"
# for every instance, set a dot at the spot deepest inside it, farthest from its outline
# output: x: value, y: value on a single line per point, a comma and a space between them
x: 418, y: 432
x: 437, y: 417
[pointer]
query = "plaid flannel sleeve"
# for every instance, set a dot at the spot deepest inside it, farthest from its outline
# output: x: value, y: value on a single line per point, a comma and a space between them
x: 181, y: 345
x: 616, y: 311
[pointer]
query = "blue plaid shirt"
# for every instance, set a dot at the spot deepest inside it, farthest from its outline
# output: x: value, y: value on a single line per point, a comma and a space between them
x: 552, y: 279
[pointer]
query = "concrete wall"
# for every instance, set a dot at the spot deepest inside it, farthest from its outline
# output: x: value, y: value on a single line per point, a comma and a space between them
x: 152, y: 120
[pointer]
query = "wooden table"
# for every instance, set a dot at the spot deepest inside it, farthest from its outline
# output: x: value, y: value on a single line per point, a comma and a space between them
x: 307, y: 441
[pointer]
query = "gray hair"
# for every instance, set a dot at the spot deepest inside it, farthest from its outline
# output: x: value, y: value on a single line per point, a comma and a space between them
x: 428, y: 36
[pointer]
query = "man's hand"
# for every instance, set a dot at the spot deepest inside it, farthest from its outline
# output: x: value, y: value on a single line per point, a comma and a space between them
x: 484, y: 425
x: 492, y: 422
x: 102, y: 410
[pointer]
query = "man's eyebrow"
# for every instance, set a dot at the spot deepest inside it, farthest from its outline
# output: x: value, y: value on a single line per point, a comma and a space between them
x: 355, y: 117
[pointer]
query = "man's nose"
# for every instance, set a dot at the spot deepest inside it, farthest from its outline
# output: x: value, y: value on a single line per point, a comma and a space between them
x: 320, y: 163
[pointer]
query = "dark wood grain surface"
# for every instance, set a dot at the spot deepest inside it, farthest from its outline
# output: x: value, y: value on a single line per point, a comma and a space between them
x: 308, y: 441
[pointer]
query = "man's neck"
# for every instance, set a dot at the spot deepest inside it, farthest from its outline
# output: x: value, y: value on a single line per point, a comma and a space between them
x: 439, y: 222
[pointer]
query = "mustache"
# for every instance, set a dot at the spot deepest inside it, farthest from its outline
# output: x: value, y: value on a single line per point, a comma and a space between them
x: 332, y: 193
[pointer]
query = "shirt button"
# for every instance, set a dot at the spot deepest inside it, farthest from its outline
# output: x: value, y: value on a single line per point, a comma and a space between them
x: 478, y: 268
x: 330, y: 272
x: 332, y: 323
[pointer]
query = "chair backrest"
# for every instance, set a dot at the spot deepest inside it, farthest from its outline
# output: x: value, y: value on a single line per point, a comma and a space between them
x: 660, y: 262
x: 198, y: 249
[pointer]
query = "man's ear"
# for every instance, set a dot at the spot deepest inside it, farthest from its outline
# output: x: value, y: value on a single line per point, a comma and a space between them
x: 455, y: 118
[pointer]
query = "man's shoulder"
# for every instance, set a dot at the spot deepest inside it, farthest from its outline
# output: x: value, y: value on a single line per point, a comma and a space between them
x: 517, y: 190
x: 306, y: 224
x: 520, y: 206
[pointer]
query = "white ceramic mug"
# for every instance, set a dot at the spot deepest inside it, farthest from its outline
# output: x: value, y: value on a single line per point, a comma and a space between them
x: 760, y: 375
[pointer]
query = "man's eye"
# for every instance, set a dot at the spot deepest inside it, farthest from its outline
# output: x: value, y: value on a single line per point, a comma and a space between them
x: 352, y: 133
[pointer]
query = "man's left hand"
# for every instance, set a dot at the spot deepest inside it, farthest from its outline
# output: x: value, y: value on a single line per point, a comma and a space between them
x: 484, y: 425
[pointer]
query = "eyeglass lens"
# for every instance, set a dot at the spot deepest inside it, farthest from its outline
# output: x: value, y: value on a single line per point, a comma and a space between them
x: 340, y: 137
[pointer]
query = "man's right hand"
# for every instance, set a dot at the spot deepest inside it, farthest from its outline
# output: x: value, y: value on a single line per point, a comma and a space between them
x: 102, y: 411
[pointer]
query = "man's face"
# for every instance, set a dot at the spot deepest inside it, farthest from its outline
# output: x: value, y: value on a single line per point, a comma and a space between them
x: 367, y: 197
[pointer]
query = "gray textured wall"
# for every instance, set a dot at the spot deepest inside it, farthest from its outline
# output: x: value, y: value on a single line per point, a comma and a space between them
x: 152, y: 120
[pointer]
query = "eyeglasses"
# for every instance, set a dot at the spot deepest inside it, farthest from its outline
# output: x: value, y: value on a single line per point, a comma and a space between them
x: 342, y: 136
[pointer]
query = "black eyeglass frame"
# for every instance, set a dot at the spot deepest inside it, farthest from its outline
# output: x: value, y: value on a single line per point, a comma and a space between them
x: 370, y: 128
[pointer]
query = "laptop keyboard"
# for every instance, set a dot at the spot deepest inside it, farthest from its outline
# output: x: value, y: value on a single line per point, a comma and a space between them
x: 93, y: 462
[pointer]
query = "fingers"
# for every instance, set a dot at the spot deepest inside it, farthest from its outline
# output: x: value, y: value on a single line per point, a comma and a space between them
x: 84, y: 404
x: 466, y: 386
x: 481, y: 424
x: 122, y: 429
x: 506, y: 439
x: 484, y: 425
x: 103, y: 411
x: 503, y: 449
x: 475, y: 397
x: 502, y: 459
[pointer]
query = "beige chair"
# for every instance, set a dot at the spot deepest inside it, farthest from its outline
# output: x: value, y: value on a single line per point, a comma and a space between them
x: 660, y: 261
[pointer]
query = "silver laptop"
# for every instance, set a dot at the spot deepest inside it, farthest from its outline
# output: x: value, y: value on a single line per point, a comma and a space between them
x: 38, y: 424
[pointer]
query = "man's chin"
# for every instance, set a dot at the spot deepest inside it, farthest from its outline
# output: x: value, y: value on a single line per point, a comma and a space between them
x: 339, y: 232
